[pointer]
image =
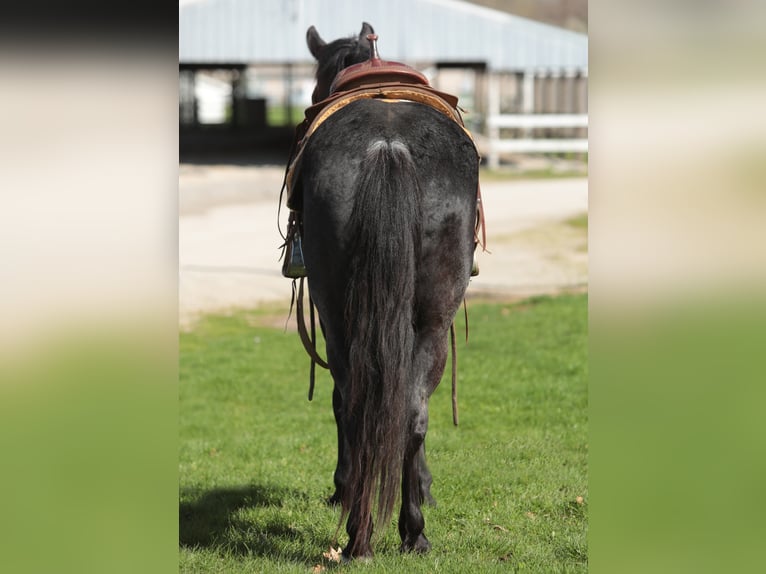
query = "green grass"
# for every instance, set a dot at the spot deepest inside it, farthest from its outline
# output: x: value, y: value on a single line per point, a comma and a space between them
x: 278, y: 115
x: 578, y: 221
x: 256, y: 459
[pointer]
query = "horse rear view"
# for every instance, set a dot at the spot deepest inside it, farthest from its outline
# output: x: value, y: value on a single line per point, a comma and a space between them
x: 385, y: 189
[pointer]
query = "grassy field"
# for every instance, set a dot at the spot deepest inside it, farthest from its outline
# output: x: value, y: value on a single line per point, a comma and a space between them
x: 256, y: 459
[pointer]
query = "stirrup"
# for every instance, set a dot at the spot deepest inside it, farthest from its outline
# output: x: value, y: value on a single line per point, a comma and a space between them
x: 475, y: 266
x: 294, y: 267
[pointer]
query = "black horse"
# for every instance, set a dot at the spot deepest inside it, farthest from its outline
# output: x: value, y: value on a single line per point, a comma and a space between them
x: 388, y: 199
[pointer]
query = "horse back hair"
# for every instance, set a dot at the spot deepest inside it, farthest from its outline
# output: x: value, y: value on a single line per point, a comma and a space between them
x: 379, y: 317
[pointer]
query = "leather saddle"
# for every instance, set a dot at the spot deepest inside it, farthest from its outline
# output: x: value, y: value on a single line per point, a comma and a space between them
x: 376, y: 71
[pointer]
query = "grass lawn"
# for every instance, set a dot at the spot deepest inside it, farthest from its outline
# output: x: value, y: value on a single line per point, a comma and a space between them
x: 256, y: 459
x: 278, y: 115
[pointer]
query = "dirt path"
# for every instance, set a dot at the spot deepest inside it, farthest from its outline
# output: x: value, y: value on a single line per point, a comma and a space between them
x: 228, y: 239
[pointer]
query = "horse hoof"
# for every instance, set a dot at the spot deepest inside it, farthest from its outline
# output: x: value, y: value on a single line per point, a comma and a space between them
x: 358, y: 559
x: 334, y: 500
x: 420, y: 546
x: 364, y: 558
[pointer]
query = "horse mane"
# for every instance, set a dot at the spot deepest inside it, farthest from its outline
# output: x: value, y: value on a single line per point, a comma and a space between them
x: 336, y: 56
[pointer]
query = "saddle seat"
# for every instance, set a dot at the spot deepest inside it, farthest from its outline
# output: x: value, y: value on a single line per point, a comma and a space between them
x: 375, y: 72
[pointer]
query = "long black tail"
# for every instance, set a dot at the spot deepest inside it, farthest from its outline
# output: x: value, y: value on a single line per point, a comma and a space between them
x: 385, y: 236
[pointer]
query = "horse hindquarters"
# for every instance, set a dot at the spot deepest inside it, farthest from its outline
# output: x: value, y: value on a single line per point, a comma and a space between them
x: 443, y: 274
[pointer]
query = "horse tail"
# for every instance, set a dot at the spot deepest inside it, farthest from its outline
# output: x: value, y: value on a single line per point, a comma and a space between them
x: 384, y: 240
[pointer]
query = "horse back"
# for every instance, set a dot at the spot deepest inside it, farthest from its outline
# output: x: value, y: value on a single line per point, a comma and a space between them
x: 445, y: 157
x: 446, y: 184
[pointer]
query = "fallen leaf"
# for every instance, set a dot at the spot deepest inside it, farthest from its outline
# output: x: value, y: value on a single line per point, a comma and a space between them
x: 333, y: 554
x: 580, y: 500
x: 531, y: 515
x: 318, y: 568
x: 498, y: 527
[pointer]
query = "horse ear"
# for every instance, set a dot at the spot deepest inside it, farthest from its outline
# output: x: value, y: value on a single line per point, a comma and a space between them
x: 363, y: 41
x: 366, y: 29
x: 314, y: 41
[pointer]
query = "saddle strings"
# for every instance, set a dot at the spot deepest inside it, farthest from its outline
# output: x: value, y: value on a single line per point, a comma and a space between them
x: 454, y: 374
x: 312, y: 370
x: 309, y: 342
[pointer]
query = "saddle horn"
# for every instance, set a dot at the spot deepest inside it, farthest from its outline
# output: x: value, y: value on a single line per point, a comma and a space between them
x: 373, y: 38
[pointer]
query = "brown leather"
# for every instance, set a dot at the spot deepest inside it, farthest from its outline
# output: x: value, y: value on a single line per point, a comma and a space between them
x: 454, y: 373
x: 480, y: 222
x: 308, y: 344
x: 376, y: 72
x: 373, y: 88
x: 445, y: 103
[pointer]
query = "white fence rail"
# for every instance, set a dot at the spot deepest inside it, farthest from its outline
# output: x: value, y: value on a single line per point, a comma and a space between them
x: 496, y: 145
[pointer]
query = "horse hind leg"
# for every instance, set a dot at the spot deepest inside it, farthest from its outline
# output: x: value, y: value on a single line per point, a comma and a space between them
x: 359, y: 539
x: 431, y: 357
x: 340, y: 477
x: 411, y: 521
x: 339, y: 374
x: 425, y: 478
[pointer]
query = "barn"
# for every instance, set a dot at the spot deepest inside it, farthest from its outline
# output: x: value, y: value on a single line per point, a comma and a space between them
x: 245, y: 74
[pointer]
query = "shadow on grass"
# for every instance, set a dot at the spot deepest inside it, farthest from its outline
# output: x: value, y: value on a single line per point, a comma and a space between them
x: 219, y: 520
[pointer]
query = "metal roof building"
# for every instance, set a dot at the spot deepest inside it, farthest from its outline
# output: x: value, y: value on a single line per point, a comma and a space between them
x: 497, y: 63
x: 413, y: 31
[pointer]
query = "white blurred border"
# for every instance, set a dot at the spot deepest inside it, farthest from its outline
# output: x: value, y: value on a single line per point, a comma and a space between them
x: 88, y: 191
x: 677, y: 152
